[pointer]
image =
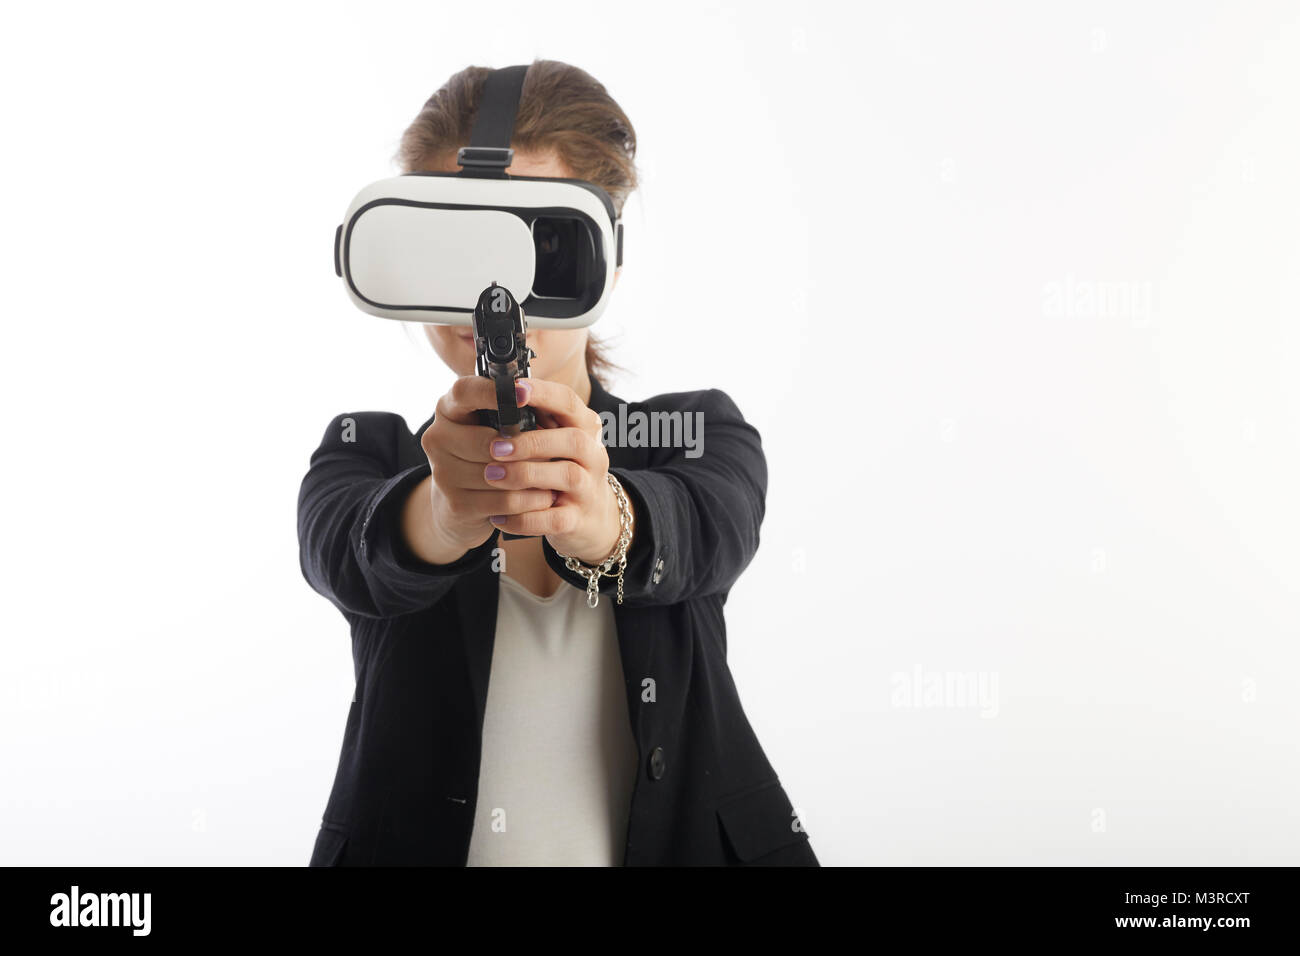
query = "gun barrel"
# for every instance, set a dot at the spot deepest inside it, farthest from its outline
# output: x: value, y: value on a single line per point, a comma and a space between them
x: 501, y: 344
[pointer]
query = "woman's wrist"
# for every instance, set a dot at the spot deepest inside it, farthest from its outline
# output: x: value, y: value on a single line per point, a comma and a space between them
x: 592, y: 570
x: 613, y: 531
x: 420, y: 531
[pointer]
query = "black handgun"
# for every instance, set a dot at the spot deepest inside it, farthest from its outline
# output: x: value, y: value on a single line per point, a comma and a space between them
x: 501, y: 340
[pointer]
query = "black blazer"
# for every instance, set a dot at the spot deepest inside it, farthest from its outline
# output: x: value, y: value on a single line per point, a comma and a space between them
x: 422, y: 638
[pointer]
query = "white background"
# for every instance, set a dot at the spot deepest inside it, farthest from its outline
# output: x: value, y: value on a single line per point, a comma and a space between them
x: 859, y: 221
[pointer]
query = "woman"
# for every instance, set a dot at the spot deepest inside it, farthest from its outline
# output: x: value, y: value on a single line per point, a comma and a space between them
x: 499, y: 718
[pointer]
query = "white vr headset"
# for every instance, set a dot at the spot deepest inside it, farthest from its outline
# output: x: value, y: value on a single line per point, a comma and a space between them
x: 422, y: 247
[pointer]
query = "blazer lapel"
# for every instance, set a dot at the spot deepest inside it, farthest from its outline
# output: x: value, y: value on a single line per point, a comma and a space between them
x: 476, y: 603
x: 636, y: 638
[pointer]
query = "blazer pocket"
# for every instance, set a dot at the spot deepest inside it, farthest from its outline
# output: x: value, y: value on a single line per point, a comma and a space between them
x: 331, y: 841
x: 759, y: 822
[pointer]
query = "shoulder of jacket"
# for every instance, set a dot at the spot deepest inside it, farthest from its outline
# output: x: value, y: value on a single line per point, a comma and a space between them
x: 673, y: 425
x: 367, y: 433
x: 711, y: 401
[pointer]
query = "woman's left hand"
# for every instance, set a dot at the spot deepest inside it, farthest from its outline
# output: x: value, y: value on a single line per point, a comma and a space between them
x: 568, y: 458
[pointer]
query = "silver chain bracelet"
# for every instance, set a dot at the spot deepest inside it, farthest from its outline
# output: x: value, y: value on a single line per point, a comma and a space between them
x: 619, y: 554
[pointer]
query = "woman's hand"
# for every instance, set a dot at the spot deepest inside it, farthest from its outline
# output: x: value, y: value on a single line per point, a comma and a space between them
x: 568, y: 457
x: 447, y: 513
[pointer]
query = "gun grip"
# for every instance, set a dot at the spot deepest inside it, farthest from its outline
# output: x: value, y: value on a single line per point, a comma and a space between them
x: 527, y: 422
x: 490, y: 418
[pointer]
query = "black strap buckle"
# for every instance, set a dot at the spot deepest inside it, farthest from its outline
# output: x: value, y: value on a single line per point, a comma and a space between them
x: 486, y: 158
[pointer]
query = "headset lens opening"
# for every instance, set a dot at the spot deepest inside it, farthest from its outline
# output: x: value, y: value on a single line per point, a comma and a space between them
x: 557, y: 242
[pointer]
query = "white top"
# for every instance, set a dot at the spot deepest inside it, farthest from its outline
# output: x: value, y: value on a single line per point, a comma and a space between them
x: 559, y: 756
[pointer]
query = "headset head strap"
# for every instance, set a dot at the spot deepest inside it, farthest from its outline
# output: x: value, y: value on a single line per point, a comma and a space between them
x: 488, y: 153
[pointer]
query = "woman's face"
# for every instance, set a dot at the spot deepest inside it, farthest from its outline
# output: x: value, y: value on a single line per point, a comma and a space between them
x: 556, y: 349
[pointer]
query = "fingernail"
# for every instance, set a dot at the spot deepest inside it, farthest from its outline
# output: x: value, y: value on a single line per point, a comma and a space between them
x: 496, y: 519
x: 494, y: 472
x: 502, y: 448
x: 555, y: 496
x: 523, y: 388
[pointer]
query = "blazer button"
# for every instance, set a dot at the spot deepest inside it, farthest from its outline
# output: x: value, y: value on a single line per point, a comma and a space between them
x: 657, y: 763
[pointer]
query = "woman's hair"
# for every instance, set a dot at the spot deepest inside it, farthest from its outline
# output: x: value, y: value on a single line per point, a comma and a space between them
x: 561, y: 109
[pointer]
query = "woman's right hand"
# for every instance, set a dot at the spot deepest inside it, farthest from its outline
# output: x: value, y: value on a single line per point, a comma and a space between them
x: 447, y: 513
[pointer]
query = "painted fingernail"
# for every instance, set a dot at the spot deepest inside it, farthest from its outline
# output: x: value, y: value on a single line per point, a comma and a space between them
x: 494, y: 472
x: 523, y: 388
x: 502, y: 448
x: 555, y: 496
x: 496, y: 519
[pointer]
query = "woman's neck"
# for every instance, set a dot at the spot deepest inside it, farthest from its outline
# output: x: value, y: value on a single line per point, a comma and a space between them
x: 574, y: 375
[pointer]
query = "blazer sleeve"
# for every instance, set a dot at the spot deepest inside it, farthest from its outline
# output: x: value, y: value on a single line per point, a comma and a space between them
x: 697, y: 519
x: 350, y: 543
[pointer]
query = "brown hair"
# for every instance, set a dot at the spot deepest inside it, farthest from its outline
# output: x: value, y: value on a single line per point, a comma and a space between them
x: 561, y: 109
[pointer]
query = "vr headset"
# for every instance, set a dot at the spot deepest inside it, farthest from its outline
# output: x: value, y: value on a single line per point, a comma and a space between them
x: 422, y: 247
